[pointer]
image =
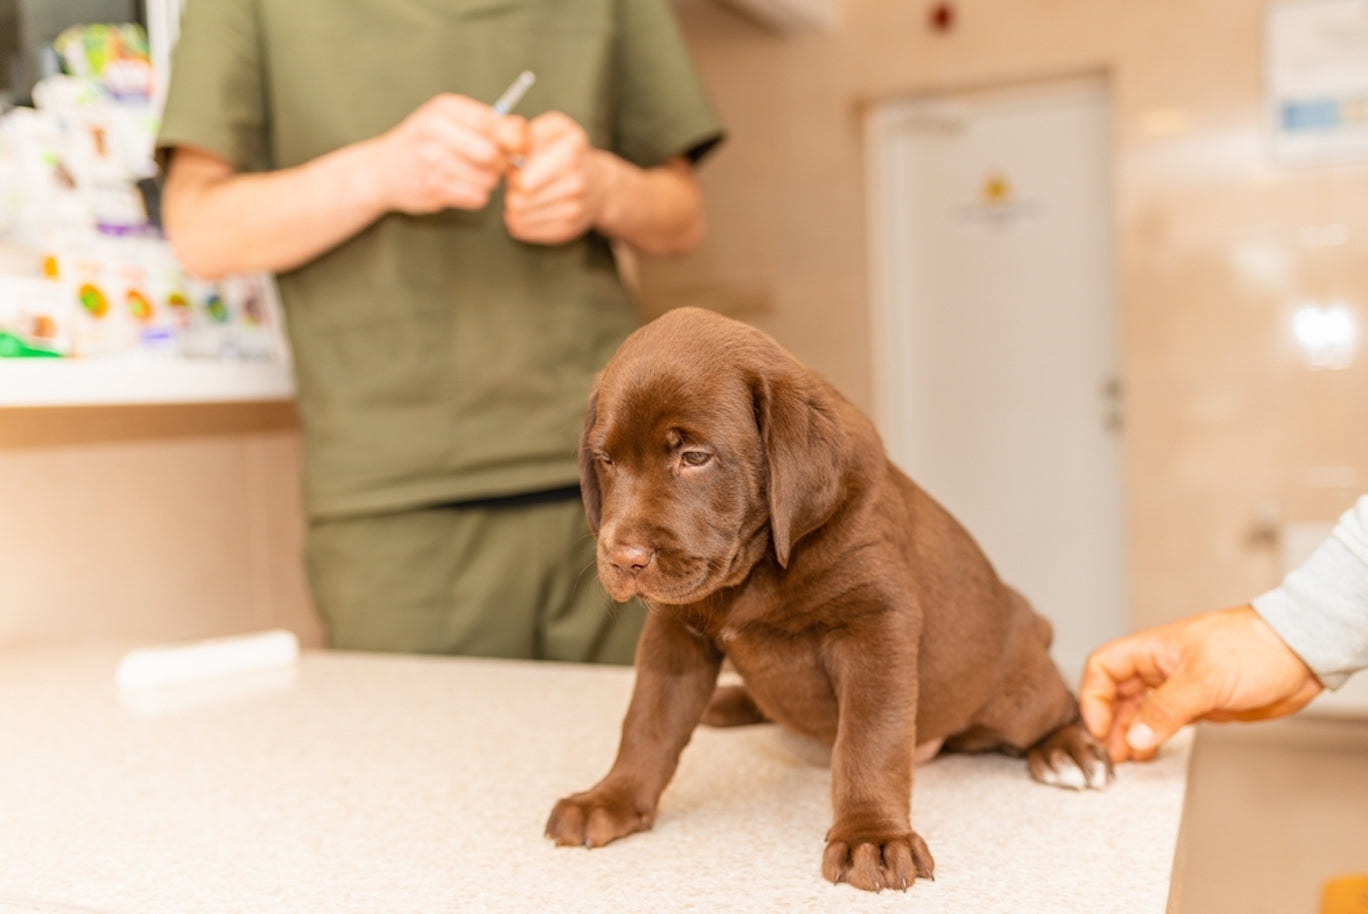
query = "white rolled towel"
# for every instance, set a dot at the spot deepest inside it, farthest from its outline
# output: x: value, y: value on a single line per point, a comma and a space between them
x: 154, y: 667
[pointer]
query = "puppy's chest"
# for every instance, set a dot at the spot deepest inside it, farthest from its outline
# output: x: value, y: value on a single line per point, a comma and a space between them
x: 785, y: 676
x: 763, y: 659
x: 764, y: 640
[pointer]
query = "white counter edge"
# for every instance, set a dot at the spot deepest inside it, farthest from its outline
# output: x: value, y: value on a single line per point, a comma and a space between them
x: 121, y: 382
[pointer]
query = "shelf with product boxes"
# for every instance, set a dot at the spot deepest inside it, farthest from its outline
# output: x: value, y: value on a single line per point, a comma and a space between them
x: 117, y: 321
x: 94, y: 307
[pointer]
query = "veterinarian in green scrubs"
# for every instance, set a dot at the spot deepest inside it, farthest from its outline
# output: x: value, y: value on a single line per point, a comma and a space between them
x: 444, y: 347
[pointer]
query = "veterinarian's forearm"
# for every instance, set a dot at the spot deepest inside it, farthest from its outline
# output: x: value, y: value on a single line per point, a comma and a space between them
x: 220, y: 222
x: 657, y: 211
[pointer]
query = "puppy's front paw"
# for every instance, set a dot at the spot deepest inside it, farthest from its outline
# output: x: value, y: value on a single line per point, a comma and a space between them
x: 595, y: 817
x: 1069, y: 757
x: 876, y: 861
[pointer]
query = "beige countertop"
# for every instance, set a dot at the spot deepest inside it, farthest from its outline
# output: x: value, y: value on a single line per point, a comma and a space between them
x: 372, y: 783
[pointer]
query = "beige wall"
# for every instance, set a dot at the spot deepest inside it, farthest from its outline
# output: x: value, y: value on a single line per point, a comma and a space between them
x: 180, y: 522
x: 1223, y: 419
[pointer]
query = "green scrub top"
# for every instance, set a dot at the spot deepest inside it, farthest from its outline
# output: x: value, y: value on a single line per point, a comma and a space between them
x: 437, y: 359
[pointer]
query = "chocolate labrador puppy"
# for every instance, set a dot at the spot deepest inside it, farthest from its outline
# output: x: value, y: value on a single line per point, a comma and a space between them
x: 755, y: 512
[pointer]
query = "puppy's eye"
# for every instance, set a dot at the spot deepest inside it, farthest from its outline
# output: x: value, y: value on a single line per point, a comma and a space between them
x: 695, y: 458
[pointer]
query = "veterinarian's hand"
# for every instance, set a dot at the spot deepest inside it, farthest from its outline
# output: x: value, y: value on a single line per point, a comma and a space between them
x: 449, y: 153
x: 1139, y: 690
x: 559, y: 191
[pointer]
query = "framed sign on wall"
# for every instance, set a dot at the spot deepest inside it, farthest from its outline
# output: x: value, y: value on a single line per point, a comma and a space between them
x: 1316, y: 80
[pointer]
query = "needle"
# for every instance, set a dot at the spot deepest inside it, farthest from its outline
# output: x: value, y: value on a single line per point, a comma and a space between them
x: 511, y: 96
x: 514, y: 93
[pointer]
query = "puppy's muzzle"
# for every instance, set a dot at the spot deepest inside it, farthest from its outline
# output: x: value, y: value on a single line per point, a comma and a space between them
x: 629, y: 559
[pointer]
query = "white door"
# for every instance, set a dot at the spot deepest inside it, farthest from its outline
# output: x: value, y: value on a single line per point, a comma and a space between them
x: 995, y: 323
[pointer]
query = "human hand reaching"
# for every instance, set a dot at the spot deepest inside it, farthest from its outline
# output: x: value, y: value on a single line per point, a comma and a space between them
x: 1139, y: 690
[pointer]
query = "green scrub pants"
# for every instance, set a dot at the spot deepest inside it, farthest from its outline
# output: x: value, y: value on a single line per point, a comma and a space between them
x: 492, y: 579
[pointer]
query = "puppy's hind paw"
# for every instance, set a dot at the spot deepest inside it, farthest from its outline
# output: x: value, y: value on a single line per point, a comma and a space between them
x: 1070, y: 758
x: 732, y: 706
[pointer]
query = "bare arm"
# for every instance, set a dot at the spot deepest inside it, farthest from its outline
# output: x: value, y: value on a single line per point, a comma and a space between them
x: 219, y: 221
x: 655, y: 210
x: 450, y: 152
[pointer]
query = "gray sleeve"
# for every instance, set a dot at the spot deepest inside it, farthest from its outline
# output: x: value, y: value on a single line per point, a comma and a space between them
x: 1321, y: 608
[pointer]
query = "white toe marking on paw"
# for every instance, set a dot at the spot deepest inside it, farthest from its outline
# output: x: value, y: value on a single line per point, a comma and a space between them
x: 1097, y: 775
x: 1065, y: 773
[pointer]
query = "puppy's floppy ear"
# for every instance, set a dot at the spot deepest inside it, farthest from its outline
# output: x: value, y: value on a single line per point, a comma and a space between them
x: 805, y: 446
x: 589, y: 486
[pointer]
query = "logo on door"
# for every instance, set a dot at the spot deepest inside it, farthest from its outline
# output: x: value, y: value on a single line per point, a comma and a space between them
x: 998, y: 207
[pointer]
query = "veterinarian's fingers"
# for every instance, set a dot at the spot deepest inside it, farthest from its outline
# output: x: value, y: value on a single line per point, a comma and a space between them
x: 555, y: 145
x: 1117, y: 748
x: 1111, y: 674
x: 510, y: 132
x: 569, y: 185
x: 553, y: 224
x: 1124, y: 667
x: 1095, y: 697
x: 1106, y: 719
x: 1177, y: 702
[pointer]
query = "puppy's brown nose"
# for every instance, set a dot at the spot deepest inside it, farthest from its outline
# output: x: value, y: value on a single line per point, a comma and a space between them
x: 630, y: 558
